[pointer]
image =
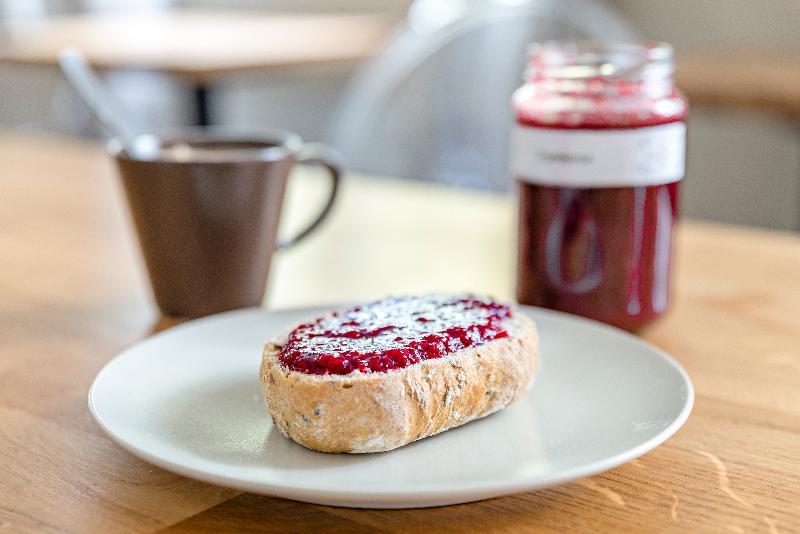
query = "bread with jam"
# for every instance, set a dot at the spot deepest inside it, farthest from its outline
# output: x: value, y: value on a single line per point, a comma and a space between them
x: 376, y: 377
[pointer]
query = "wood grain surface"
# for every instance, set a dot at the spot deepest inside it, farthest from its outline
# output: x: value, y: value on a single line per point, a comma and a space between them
x: 73, y: 294
x: 200, y: 45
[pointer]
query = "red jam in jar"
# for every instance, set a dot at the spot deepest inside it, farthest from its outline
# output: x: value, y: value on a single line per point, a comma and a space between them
x: 598, y: 153
x: 393, y: 333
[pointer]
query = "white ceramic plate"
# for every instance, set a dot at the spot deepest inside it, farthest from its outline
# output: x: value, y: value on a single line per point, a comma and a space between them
x: 189, y: 400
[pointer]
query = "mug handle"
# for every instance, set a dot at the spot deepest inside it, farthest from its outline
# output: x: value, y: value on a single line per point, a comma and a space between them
x: 325, y: 156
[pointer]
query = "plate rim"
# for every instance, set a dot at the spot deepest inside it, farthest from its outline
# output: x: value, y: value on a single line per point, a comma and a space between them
x: 384, y: 498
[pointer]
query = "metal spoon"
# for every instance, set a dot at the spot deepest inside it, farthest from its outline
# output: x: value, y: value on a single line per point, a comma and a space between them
x: 95, y: 94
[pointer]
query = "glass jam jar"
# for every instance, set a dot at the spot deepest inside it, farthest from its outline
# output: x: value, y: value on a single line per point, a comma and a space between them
x: 598, y: 153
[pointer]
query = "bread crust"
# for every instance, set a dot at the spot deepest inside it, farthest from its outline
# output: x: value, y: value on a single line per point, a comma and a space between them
x: 360, y: 413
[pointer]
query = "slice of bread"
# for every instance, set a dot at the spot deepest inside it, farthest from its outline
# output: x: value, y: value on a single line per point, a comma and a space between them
x: 359, y: 413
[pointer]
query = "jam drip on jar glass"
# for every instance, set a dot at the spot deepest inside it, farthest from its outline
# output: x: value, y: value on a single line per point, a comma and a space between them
x: 393, y: 333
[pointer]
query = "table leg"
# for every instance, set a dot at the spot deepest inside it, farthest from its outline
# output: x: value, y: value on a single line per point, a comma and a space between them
x: 202, y: 97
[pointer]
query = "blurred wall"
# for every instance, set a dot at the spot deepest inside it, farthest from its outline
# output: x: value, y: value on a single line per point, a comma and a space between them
x: 718, y: 25
x: 360, y: 6
x: 743, y: 165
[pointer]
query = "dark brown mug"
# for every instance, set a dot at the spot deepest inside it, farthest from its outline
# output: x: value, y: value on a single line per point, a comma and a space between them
x: 206, y: 205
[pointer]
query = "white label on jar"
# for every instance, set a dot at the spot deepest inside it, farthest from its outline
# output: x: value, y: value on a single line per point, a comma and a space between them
x: 650, y: 155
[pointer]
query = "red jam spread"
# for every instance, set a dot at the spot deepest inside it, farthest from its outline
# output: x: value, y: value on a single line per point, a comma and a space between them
x: 393, y: 333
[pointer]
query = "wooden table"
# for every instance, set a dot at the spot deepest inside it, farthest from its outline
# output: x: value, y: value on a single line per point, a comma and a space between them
x: 201, y: 46
x: 73, y: 294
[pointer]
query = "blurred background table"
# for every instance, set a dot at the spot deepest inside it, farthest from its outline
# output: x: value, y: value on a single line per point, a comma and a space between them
x: 73, y: 294
x: 202, y: 47
x: 738, y: 65
x: 742, y: 81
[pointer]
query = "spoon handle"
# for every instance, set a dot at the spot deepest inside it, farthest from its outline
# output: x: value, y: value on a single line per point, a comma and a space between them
x: 94, y: 93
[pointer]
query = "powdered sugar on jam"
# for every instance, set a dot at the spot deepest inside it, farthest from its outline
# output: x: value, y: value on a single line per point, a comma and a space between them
x: 393, y: 333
